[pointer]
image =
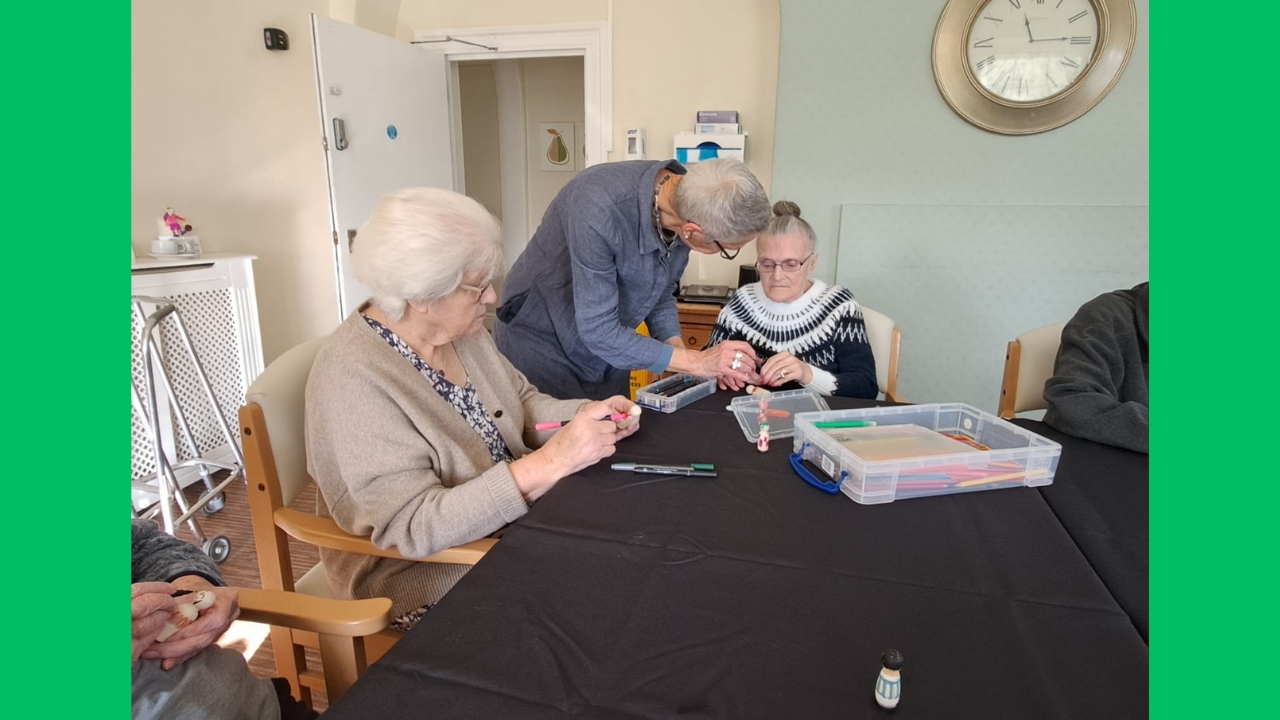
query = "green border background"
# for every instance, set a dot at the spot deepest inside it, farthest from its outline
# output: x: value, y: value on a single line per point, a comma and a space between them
x: 1213, y: 182
x: 66, y: 199
x: 1214, y: 489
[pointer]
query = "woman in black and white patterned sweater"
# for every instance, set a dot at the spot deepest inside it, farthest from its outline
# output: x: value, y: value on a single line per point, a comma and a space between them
x: 805, y: 331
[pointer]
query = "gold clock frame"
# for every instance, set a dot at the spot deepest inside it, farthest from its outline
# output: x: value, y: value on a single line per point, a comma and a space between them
x: 1117, y: 28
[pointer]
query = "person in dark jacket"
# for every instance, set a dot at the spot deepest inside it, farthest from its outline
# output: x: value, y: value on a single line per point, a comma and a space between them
x: 188, y: 677
x: 1099, y: 386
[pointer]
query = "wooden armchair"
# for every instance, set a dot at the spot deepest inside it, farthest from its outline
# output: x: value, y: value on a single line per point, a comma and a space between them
x: 1028, y: 364
x: 339, y: 625
x: 271, y: 427
x: 885, y: 338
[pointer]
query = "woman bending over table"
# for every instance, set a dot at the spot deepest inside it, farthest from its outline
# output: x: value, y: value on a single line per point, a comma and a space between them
x: 804, y: 330
x: 420, y: 434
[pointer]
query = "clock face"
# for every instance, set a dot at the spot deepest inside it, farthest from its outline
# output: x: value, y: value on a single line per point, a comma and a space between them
x: 1024, y: 51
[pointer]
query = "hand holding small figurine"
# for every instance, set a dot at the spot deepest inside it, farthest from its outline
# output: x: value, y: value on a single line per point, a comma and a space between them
x: 186, y: 614
x: 216, y: 610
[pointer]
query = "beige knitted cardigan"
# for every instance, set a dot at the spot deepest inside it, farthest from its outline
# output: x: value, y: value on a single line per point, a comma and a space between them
x: 395, y: 461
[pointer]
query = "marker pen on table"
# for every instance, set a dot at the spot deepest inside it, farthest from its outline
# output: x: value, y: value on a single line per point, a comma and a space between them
x: 691, y: 470
x: 844, y: 424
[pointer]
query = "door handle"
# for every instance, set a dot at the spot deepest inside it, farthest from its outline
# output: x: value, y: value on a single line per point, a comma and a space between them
x: 351, y: 240
x: 339, y: 134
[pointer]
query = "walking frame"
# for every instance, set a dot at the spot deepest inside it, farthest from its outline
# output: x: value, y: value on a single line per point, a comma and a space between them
x: 165, y: 478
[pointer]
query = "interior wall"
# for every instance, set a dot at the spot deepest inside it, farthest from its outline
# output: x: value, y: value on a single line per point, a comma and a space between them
x: 932, y: 205
x: 553, y: 93
x: 227, y: 133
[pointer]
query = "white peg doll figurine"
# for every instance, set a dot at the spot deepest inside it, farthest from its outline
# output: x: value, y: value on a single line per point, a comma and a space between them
x: 186, y: 614
x: 889, y: 684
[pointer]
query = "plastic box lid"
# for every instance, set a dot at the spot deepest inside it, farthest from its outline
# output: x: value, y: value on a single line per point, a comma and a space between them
x: 791, y: 402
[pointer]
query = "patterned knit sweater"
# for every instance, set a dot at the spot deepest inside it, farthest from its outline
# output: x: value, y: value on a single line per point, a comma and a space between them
x: 823, y: 328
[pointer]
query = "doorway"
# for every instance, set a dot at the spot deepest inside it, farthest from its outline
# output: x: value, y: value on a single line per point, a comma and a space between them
x: 522, y: 140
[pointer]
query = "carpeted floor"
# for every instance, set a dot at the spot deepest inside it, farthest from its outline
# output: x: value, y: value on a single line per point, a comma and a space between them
x: 241, y: 569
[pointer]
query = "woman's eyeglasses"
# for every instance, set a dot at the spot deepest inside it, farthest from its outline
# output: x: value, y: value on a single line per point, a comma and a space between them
x: 790, y: 266
x: 479, y: 291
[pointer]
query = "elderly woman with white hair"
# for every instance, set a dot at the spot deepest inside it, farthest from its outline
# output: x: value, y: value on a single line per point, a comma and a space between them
x: 805, y: 331
x: 419, y: 432
x: 609, y: 255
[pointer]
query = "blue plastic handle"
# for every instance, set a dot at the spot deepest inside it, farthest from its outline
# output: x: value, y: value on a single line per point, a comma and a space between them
x: 826, y: 486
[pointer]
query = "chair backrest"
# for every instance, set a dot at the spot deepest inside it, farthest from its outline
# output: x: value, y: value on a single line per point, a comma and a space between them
x: 281, y: 393
x: 885, y: 338
x: 1028, y: 363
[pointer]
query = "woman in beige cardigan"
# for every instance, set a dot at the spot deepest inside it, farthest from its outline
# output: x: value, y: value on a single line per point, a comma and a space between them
x: 420, y: 433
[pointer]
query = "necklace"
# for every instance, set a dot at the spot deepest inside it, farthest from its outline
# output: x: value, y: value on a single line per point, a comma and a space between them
x: 666, y: 236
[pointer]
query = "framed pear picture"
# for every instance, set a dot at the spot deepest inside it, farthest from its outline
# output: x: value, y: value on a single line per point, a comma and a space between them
x: 1019, y: 67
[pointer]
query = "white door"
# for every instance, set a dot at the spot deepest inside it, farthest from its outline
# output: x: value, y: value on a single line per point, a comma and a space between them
x: 384, y: 106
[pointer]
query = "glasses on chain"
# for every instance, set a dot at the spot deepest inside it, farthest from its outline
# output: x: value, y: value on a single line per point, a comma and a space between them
x: 790, y: 266
x: 725, y: 253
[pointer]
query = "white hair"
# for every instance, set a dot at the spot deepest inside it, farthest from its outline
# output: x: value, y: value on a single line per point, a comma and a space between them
x: 420, y: 243
x: 724, y: 199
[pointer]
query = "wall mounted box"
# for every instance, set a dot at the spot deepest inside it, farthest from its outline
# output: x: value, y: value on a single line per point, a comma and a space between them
x: 692, y: 147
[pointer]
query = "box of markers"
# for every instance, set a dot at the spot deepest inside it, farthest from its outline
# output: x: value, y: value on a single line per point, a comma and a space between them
x: 878, y: 455
x: 670, y: 394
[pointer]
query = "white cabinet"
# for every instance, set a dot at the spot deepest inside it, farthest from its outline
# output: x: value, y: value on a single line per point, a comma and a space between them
x: 215, y: 297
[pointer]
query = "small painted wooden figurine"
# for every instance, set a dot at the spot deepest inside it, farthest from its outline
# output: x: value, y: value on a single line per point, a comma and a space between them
x: 889, y: 684
x: 186, y: 614
x: 173, y: 224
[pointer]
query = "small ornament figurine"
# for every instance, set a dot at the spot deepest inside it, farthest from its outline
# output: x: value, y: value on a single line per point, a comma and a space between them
x: 172, y: 224
x: 889, y: 684
x: 762, y: 440
x: 186, y: 614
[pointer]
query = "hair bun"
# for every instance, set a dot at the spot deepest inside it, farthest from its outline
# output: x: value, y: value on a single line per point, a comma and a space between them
x: 786, y: 207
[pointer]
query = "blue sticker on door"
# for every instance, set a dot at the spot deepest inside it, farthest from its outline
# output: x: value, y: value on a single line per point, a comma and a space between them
x: 391, y: 132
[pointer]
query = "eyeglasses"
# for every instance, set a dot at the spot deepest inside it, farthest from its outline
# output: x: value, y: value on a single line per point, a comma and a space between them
x: 725, y: 253
x: 479, y: 291
x: 790, y: 266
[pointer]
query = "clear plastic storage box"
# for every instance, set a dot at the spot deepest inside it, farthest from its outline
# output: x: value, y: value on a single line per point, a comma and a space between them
x: 790, y: 402
x: 954, y: 448
x: 670, y: 394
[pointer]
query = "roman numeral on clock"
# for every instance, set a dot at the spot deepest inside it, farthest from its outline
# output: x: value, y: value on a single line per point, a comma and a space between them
x: 1077, y: 16
x: 1081, y: 40
x: 1069, y: 62
x: 1016, y: 5
x: 984, y: 65
x: 984, y: 43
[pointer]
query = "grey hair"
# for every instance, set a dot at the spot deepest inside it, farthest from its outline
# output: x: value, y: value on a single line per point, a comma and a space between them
x: 724, y: 199
x: 420, y: 243
x: 786, y: 221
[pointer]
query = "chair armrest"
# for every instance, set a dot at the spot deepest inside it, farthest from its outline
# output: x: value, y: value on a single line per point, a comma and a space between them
x: 895, y: 397
x: 326, y: 616
x: 324, y: 532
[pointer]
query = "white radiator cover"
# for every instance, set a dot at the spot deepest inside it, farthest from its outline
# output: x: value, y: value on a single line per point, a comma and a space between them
x: 216, y: 299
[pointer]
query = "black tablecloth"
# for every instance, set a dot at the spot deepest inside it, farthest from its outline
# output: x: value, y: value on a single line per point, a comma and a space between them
x: 1100, y: 495
x: 752, y: 595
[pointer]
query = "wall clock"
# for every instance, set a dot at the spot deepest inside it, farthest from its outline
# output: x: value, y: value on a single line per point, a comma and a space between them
x: 1019, y: 67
